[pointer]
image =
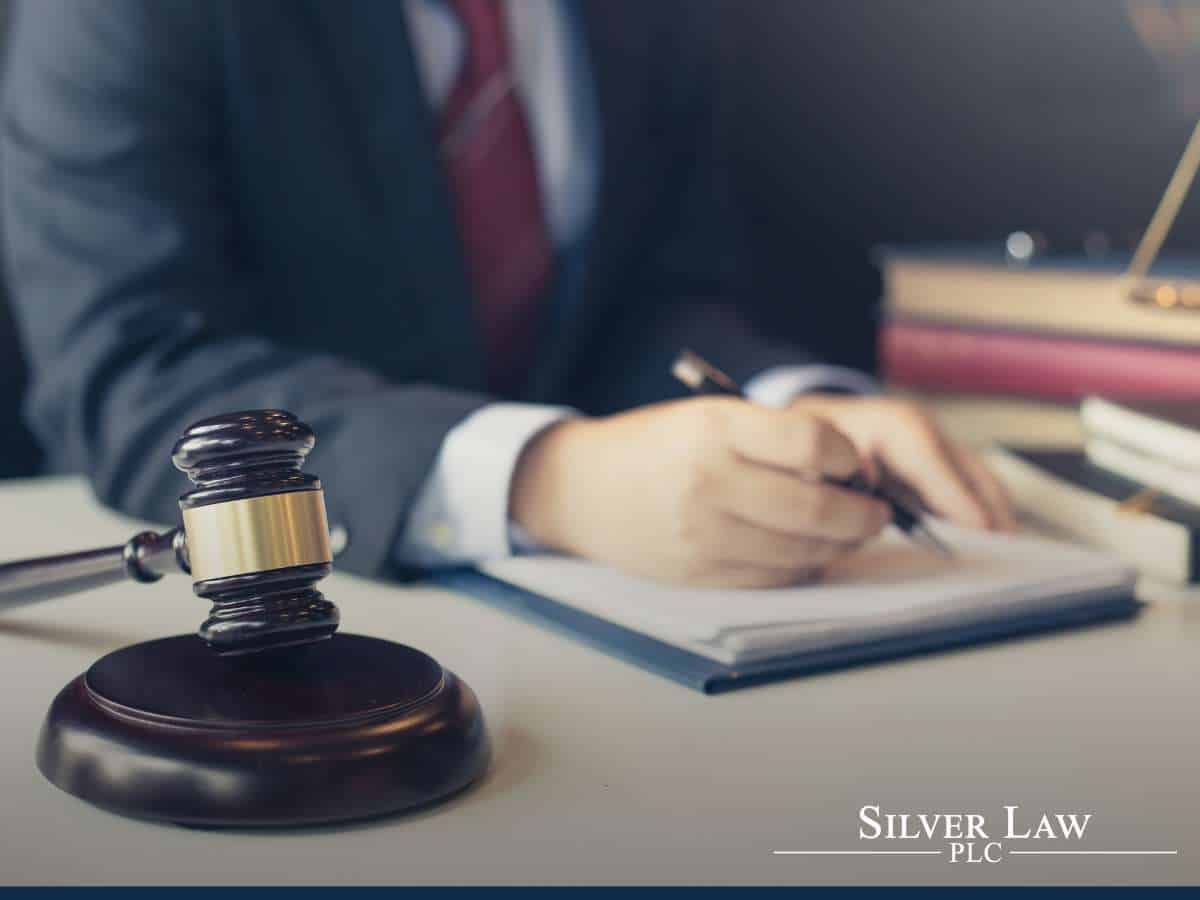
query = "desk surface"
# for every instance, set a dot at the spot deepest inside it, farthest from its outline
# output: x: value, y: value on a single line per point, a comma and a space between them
x: 604, y: 773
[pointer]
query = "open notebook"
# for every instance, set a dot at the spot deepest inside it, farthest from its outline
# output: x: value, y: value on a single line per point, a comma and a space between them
x: 890, y: 598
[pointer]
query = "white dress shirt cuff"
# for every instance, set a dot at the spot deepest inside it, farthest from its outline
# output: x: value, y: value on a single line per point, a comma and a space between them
x: 461, y: 513
x: 780, y: 385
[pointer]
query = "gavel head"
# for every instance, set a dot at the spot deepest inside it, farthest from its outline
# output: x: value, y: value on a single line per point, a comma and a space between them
x: 257, y: 535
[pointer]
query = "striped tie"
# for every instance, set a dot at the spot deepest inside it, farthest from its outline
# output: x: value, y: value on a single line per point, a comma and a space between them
x: 489, y: 160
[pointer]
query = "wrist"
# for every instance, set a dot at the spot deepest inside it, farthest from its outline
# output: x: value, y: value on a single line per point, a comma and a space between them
x: 539, y: 497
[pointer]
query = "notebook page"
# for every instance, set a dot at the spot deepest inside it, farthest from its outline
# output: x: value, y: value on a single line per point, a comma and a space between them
x: 890, y: 579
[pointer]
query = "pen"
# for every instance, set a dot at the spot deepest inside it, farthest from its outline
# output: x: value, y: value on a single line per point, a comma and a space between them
x: 701, y: 377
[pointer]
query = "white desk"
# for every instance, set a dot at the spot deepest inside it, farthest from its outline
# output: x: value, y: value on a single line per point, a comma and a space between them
x: 604, y: 773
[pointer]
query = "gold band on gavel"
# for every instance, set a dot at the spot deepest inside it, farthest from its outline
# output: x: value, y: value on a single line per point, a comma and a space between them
x: 257, y: 535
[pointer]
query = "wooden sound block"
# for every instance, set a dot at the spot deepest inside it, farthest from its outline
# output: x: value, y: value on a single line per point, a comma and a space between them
x: 345, y: 728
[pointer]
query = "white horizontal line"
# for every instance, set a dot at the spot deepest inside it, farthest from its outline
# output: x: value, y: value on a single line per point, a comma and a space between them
x: 856, y: 852
x: 1093, y: 852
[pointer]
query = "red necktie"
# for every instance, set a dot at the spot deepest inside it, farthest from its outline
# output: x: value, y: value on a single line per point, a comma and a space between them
x: 488, y: 155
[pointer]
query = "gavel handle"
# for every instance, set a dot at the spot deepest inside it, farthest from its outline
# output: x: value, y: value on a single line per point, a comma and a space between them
x: 145, y: 557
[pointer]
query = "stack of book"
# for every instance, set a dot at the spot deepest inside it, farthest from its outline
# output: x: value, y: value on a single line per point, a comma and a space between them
x: 1134, y: 488
x: 965, y: 320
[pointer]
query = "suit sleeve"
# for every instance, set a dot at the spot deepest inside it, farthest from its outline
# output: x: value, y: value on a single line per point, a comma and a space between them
x: 137, y: 317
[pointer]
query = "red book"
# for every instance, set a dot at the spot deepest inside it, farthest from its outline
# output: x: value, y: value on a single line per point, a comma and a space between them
x: 973, y: 361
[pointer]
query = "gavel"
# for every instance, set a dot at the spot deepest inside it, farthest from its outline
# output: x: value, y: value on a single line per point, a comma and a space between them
x: 255, y: 538
x: 267, y: 716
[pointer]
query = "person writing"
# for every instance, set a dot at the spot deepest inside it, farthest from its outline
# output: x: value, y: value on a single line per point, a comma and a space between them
x: 462, y: 239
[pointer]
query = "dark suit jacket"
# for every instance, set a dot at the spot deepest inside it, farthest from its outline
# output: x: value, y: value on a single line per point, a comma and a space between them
x: 222, y: 205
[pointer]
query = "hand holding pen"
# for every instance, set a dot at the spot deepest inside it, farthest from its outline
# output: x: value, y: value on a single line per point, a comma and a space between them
x: 717, y: 492
x: 701, y: 377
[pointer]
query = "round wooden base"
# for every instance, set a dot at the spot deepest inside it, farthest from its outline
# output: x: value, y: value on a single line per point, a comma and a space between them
x: 346, y: 728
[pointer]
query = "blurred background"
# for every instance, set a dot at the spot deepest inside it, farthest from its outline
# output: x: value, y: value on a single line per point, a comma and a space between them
x: 860, y: 122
